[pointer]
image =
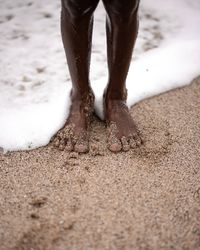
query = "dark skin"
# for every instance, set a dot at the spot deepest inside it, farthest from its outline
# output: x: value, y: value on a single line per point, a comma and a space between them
x: 121, y: 29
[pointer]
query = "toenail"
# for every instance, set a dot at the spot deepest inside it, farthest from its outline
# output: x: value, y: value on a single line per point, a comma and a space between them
x: 115, y: 147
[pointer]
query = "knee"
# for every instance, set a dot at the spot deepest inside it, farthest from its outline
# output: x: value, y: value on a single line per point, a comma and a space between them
x: 123, y: 11
x: 77, y: 10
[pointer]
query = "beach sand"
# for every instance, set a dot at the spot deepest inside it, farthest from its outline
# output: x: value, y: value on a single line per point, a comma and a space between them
x: 148, y: 198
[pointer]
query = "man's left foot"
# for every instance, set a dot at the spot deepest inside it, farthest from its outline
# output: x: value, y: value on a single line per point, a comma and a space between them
x: 122, y: 132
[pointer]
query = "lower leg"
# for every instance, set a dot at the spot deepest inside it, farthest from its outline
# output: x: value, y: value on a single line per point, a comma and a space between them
x: 122, y: 28
x: 76, y: 28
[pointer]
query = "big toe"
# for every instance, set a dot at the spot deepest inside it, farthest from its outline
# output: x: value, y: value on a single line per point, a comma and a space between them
x: 82, y: 144
x: 81, y: 147
x: 115, y: 145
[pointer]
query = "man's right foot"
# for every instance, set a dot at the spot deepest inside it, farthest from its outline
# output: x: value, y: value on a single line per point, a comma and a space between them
x: 74, y: 136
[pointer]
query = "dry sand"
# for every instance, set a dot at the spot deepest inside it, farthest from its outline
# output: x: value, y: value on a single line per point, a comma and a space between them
x: 147, y: 198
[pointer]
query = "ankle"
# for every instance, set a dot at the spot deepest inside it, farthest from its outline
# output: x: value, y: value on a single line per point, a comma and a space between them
x: 115, y: 95
x: 82, y: 95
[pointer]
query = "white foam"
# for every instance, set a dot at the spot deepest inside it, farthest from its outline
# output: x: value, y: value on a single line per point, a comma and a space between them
x: 34, y: 105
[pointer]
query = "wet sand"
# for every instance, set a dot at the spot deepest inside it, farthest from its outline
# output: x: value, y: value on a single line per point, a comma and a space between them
x: 148, y: 198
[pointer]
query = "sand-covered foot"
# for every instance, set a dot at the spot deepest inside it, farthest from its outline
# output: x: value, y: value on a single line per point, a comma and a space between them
x: 74, y: 136
x: 121, y: 130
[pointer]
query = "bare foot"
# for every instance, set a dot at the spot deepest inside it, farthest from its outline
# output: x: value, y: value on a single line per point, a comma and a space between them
x: 74, y: 135
x: 122, y: 132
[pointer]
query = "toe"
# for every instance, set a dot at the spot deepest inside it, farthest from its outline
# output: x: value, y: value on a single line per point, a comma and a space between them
x: 69, y: 145
x: 56, y: 142
x: 138, y: 140
x: 61, y: 145
x: 115, y: 145
x: 81, y: 147
x: 81, y: 142
x: 133, y: 143
x: 125, y: 143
